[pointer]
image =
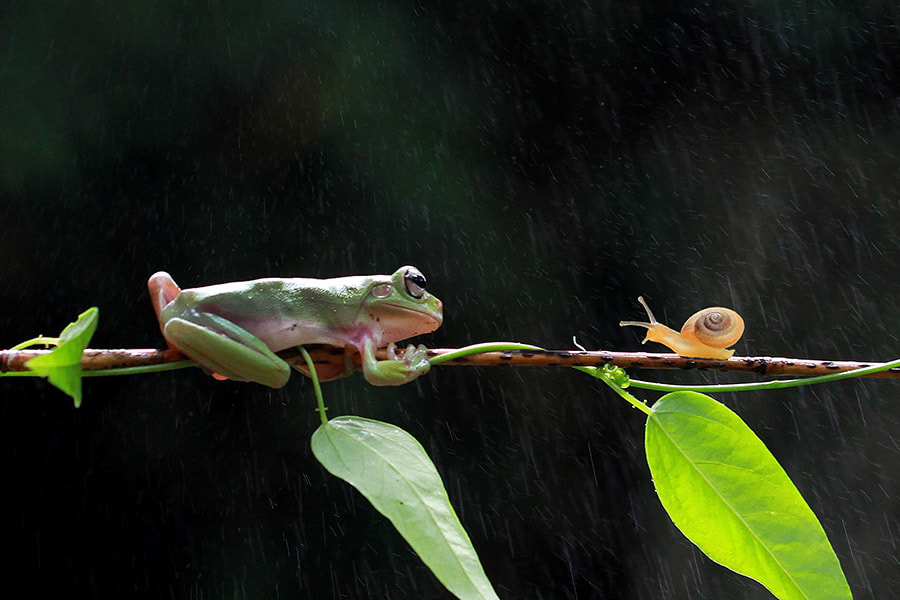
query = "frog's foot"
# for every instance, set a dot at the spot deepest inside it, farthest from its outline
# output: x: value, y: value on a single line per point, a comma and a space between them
x: 398, y: 369
x: 163, y: 290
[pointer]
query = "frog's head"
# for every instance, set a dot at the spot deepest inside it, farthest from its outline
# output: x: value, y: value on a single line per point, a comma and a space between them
x: 401, y: 306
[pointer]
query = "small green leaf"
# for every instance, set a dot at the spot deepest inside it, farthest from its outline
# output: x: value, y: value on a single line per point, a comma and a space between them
x: 62, y: 366
x: 391, y: 469
x: 726, y: 492
x: 615, y: 375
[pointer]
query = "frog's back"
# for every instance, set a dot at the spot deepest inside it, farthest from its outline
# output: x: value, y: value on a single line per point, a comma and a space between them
x: 269, y: 296
x: 282, y: 312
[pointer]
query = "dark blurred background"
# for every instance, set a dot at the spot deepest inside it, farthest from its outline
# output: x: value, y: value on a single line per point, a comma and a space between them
x: 543, y: 163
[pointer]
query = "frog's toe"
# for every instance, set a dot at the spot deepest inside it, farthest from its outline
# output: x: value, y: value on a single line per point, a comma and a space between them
x: 415, y: 356
x: 414, y: 352
x: 392, y: 351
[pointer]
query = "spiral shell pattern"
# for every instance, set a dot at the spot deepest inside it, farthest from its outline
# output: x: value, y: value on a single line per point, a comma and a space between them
x: 716, y: 327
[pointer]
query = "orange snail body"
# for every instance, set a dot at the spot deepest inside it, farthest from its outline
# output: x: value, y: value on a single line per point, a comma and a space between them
x: 706, y: 334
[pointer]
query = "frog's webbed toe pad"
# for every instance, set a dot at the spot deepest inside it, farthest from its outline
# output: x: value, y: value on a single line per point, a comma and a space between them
x: 231, y: 359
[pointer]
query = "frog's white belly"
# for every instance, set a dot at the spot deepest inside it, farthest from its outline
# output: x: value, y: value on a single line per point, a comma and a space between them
x: 280, y: 334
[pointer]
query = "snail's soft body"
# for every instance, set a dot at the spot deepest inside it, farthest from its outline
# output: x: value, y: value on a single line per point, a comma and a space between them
x: 706, y: 334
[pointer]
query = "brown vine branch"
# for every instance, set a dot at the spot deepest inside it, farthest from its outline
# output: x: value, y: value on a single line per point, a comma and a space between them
x: 96, y: 359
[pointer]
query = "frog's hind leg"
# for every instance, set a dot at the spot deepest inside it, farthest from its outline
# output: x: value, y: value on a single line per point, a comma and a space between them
x: 228, y: 351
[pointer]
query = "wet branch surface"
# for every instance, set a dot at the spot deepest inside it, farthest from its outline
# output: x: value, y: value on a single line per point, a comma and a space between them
x: 98, y: 359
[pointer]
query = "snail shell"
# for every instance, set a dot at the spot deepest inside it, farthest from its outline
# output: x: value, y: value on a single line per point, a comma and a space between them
x: 716, y: 327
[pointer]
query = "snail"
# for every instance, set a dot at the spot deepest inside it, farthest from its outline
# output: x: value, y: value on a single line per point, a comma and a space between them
x: 706, y: 334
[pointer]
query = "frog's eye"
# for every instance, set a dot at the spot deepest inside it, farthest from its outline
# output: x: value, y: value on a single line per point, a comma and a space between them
x: 415, y: 283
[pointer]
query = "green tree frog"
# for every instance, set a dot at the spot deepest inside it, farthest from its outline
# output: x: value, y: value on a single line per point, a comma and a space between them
x: 233, y: 330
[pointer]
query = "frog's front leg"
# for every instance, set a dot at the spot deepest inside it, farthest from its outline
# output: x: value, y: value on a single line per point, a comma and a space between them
x: 397, y: 370
x: 226, y: 349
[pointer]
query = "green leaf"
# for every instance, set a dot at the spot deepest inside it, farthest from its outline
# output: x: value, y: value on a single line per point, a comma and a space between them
x: 726, y: 492
x: 62, y: 366
x: 391, y: 469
